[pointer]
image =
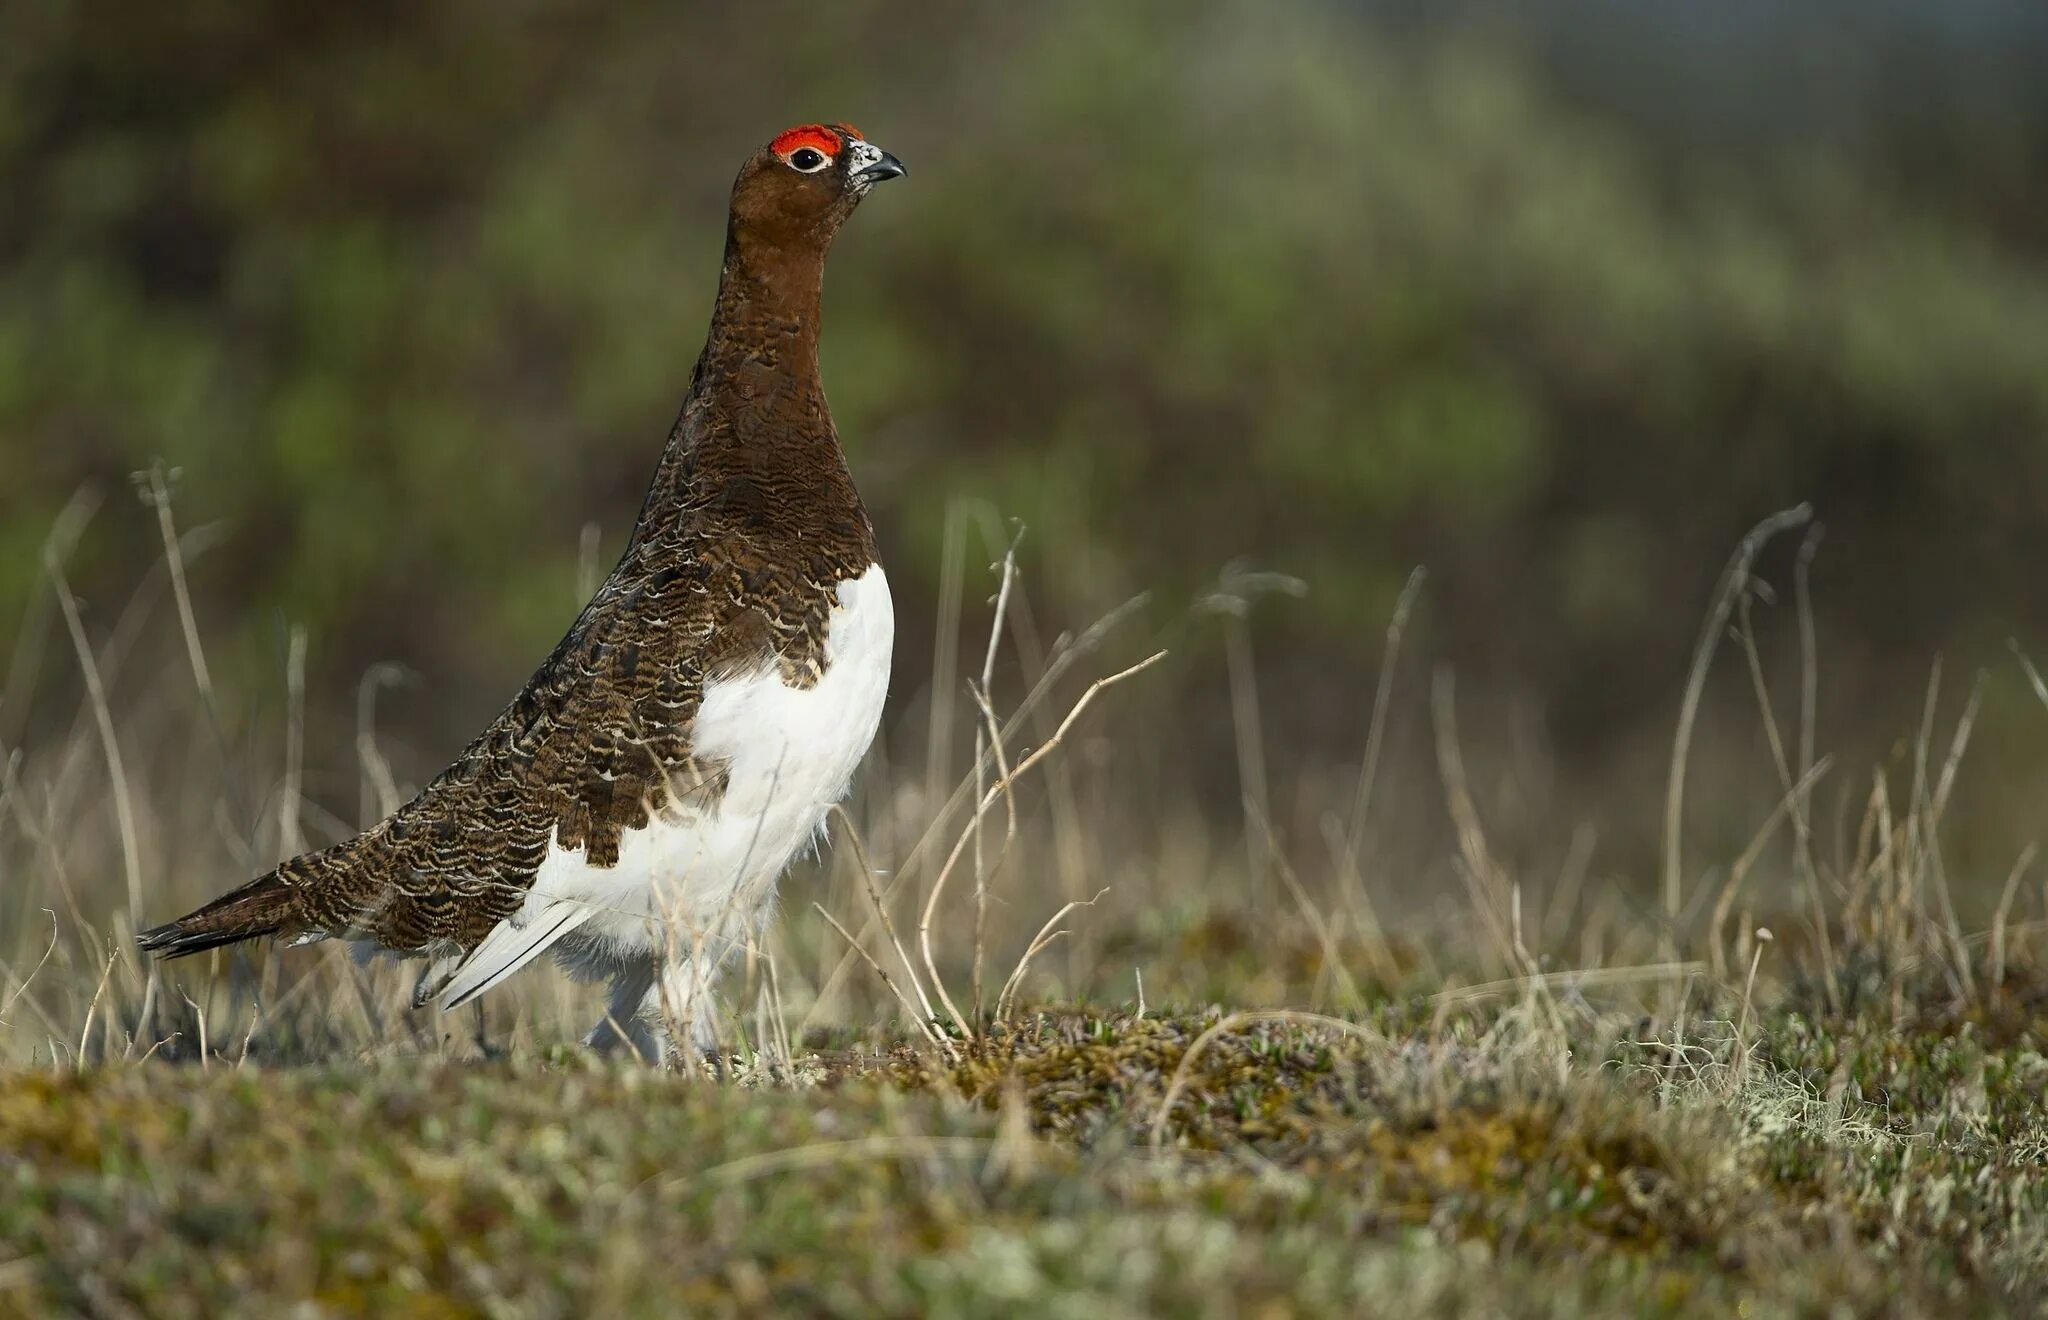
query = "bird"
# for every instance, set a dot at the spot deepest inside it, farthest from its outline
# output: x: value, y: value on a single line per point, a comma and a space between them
x: 634, y: 806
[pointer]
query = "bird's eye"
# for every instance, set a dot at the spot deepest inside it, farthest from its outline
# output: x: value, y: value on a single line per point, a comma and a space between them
x: 807, y: 160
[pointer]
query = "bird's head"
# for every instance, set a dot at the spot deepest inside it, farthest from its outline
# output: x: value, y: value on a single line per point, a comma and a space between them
x: 804, y: 184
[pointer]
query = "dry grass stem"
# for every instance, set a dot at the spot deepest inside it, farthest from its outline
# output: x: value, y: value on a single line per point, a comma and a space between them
x: 987, y: 741
x: 1002, y: 786
x: 1734, y: 580
x: 1382, y: 701
x: 910, y: 1007
x: 1486, y: 881
x: 1788, y: 807
x: 1999, y: 920
x: 110, y: 746
x: 1007, y: 1000
x: 1587, y: 978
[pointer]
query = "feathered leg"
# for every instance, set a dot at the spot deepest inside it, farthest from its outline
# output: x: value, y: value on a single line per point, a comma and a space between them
x: 623, y: 1026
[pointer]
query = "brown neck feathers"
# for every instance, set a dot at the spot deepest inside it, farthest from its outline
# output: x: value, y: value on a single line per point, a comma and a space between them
x: 766, y: 317
x: 755, y: 451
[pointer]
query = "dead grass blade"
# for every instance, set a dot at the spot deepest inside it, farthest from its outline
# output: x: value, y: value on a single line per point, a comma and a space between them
x: 1734, y: 579
x: 988, y: 799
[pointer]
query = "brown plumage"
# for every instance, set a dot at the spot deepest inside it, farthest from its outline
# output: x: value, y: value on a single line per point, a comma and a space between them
x: 749, y: 527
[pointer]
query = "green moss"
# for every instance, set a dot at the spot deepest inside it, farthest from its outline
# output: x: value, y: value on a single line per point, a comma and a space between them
x: 1496, y: 1160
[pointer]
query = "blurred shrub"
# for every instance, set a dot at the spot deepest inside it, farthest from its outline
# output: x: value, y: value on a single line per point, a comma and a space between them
x: 1556, y: 305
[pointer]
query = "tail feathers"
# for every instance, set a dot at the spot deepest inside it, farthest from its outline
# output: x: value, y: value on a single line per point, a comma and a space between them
x: 510, y: 947
x: 264, y: 906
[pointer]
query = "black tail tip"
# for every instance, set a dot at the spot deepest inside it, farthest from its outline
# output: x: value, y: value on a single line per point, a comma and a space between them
x: 176, y: 940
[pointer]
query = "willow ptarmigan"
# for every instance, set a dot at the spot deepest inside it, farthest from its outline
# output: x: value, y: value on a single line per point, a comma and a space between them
x: 634, y: 806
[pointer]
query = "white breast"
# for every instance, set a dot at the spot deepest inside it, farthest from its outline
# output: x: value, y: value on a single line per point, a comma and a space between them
x: 704, y: 876
x: 789, y: 754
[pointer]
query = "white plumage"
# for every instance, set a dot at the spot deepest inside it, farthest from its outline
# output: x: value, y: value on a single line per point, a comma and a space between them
x: 695, y: 883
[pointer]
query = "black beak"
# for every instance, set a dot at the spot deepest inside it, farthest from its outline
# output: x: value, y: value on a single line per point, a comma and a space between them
x: 888, y: 167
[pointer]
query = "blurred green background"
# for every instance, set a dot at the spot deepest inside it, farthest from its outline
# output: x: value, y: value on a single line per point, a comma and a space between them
x: 1555, y: 301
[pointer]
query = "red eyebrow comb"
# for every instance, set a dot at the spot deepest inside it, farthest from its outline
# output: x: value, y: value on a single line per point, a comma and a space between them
x: 816, y: 136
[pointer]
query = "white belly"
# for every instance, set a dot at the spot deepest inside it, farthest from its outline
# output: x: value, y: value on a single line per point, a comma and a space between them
x: 789, y: 753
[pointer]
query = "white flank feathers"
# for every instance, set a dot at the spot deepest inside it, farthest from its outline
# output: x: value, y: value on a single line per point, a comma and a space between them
x: 696, y: 881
